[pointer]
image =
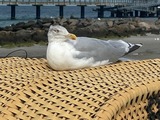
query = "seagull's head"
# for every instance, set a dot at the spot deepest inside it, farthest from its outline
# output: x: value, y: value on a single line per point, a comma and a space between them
x: 58, y: 33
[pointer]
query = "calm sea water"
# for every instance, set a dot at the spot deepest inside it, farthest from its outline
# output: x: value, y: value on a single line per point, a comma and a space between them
x: 25, y: 13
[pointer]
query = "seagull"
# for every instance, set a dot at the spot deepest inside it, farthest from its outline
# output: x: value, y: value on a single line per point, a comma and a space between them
x: 65, y: 51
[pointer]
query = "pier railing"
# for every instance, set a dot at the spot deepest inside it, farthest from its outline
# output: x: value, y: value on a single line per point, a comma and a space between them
x: 120, y: 7
x: 80, y: 2
x: 140, y: 5
x: 68, y: 2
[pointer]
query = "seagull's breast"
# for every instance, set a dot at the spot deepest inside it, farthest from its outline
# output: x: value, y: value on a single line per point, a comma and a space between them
x: 60, y: 55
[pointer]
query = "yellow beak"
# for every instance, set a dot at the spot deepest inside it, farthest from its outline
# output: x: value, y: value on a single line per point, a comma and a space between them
x: 72, y: 36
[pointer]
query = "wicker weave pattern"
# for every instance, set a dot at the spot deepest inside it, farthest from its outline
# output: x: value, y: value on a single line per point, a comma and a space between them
x: 29, y: 89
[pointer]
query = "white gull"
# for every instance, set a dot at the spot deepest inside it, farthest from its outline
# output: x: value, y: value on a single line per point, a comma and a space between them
x: 65, y: 51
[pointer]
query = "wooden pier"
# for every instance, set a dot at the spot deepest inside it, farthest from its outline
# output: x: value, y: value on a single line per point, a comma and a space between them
x: 118, y: 8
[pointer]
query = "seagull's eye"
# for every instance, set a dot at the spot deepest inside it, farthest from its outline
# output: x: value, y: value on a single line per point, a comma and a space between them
x: 56, y: 30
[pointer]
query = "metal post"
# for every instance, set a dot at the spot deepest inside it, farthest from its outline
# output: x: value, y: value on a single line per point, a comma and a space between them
x: 82, y: 11
x: 112, y: 14
x: 143, y: 14
x: 101, y: 12
x: 61, y: 7
x: 131, y: 14
x: 136, y: 13
x: 158, y: 12
x: 119, y: 13
x: 38, y: 12
x: 13, y: 11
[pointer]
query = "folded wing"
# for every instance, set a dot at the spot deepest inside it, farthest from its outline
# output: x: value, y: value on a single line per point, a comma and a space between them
x: 101, y: 50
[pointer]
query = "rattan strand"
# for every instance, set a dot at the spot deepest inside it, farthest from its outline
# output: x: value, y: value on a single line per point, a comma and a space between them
x: 31, y: 90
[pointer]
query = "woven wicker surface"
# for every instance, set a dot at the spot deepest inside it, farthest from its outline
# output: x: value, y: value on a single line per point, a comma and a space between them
x: 30, y: 90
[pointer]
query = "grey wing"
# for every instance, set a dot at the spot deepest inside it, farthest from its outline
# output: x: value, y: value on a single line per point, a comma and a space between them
x: 100, y: 50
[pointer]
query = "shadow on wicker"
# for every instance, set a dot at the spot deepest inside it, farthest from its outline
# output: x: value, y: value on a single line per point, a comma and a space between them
x: 30, y: 90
